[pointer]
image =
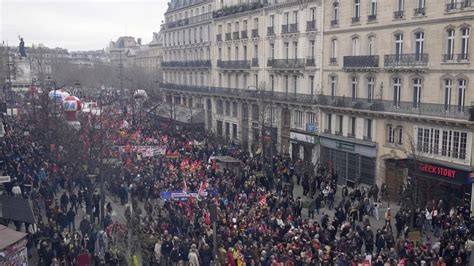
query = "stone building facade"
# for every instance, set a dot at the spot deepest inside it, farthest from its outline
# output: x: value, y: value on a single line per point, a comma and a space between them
x: 379, y: 90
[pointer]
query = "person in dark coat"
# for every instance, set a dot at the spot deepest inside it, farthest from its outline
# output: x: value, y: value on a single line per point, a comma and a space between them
x: 64, y: 201
x: 71, y: 215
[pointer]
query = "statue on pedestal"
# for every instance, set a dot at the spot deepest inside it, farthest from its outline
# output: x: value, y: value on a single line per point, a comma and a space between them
x: 21, y: 48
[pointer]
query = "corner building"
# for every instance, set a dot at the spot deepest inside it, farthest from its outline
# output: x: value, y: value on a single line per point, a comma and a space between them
x: 397, y: 95
x: 264, y: 75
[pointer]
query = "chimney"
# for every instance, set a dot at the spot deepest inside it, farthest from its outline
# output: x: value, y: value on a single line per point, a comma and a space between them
x: 139, y: 40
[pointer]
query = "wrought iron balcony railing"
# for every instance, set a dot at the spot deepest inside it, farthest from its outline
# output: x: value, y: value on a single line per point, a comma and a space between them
x: 388, y: 106
x: 284, y: 28
x: 228, y: 36
x: 448, y: 57
x: 271, y: 31
x: 398, y: 14
x: 187, y: 64
x: 286, y: 63
x: 255, y: 33
x: 361, y: 62
x: 254, y: 62
x: 458, y: 5
x: 372, y: 17
x: 234, y: 64
x: 405, y: 60
x: 356, y: 19
x: 310, y: 25
x: 219, y: 38
x: 293, y: 27
x: 243, y: 34
x: 310, y: 61
x: 235, y: 35
x: 463, y: 57
x: 420, y: 11
x: 334, y: 22
x: 333, y: 60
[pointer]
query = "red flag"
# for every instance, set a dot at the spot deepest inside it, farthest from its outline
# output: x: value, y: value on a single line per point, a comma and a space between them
x: 207, y: 217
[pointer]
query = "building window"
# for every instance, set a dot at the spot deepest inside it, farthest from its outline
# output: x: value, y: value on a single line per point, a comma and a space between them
x: 340, y: 120
x: 390, y: 134
x: 255, y: 112
x: 371, y: 45
x: 219, y: 107
x: 453, y: 143
x: 287, y: 50
x: 355, y: 46
x: 295, y: 84
x: 370, y: 89
x: 420, y: 7
x: 416, y: 92
x: 356, y: 9
x: 227, y: 108
x: 311, y: 49
x: 335, y: 12
x: 464, y: 44
x: 461, y: 94
x: 397, y: 91
x: 310, y: 117
x: 295, y: 17
x: 449, y: 45
x: 368, y: 129
x: 333, y: 86
x: 352, y: 127
x: 272, y: 82
x: 286, y: 84
x: 448, y: 85
x: 373, y: 8
x: 311, y: 86
x: 328, y: 123
x: 286, y: 18
x: 333, y: 58
x: 399, y: 45
x: 298, y: 119
x: 399, y: 134
x: 312, y: 14
x: 354, y: 88
x: 234, y: 109
x: 295, y: 50
x: 419, y: 45
x: 272, y: 51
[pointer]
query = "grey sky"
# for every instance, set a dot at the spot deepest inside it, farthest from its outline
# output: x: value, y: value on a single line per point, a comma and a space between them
x: 79, y: 24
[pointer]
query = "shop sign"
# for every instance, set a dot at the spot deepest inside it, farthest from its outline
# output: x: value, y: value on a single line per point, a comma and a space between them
x: 303, y: 137
x: 311, y: 127
x: 345, y: 146
x: 438, y: 170
x: 5, y: 179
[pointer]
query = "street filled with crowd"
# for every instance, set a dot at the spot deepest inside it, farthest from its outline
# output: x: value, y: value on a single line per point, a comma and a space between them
x: 262, y: 218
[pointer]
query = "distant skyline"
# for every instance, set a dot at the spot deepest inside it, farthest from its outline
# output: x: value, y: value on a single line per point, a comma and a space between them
x: 79, y: 25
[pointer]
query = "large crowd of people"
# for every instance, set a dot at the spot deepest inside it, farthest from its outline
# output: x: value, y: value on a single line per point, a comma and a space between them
x: 260, y: 219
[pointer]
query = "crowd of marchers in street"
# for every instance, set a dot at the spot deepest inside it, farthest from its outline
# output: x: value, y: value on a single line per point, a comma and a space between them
x: 259, y: 219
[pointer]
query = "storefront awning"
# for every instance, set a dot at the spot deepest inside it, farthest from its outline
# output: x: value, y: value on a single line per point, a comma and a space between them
x: 9, y: 237
x: 16, y: 209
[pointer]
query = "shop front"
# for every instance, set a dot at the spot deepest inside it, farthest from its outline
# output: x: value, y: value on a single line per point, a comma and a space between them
x: 351, y: 160
x: 450, y: 183
x: 303, y: 146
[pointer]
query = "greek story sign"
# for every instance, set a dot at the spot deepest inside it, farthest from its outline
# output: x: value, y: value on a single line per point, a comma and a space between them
x: 438, y: 170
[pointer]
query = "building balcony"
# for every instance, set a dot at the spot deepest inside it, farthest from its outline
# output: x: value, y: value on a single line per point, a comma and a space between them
x: 234, y: 64
x: 372, y: 17
x: 334, y: 22
x: 286, y: 63
x: 458, y: 5
x: 228, y: 36
x: 293, y: 27
x: 310, y: 61
x: 311, y: 25
x: 254, y: 62
x: 284, y: 29
x: 398, y: 14
x: 324, y: 101
x: 235, y: 35
x: 243, y: 34
x: 333, y: 60
x: 187, y: 64
x: 420, y: 11
x: 289, y: 28
x: 463, y: 57
x: 361, y: 62
x: 271, y: 31
x: 255, y: 33
x: 356, y: 19
x: 400, y: 61
x: 448, y: 57
x: 219, y: 38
